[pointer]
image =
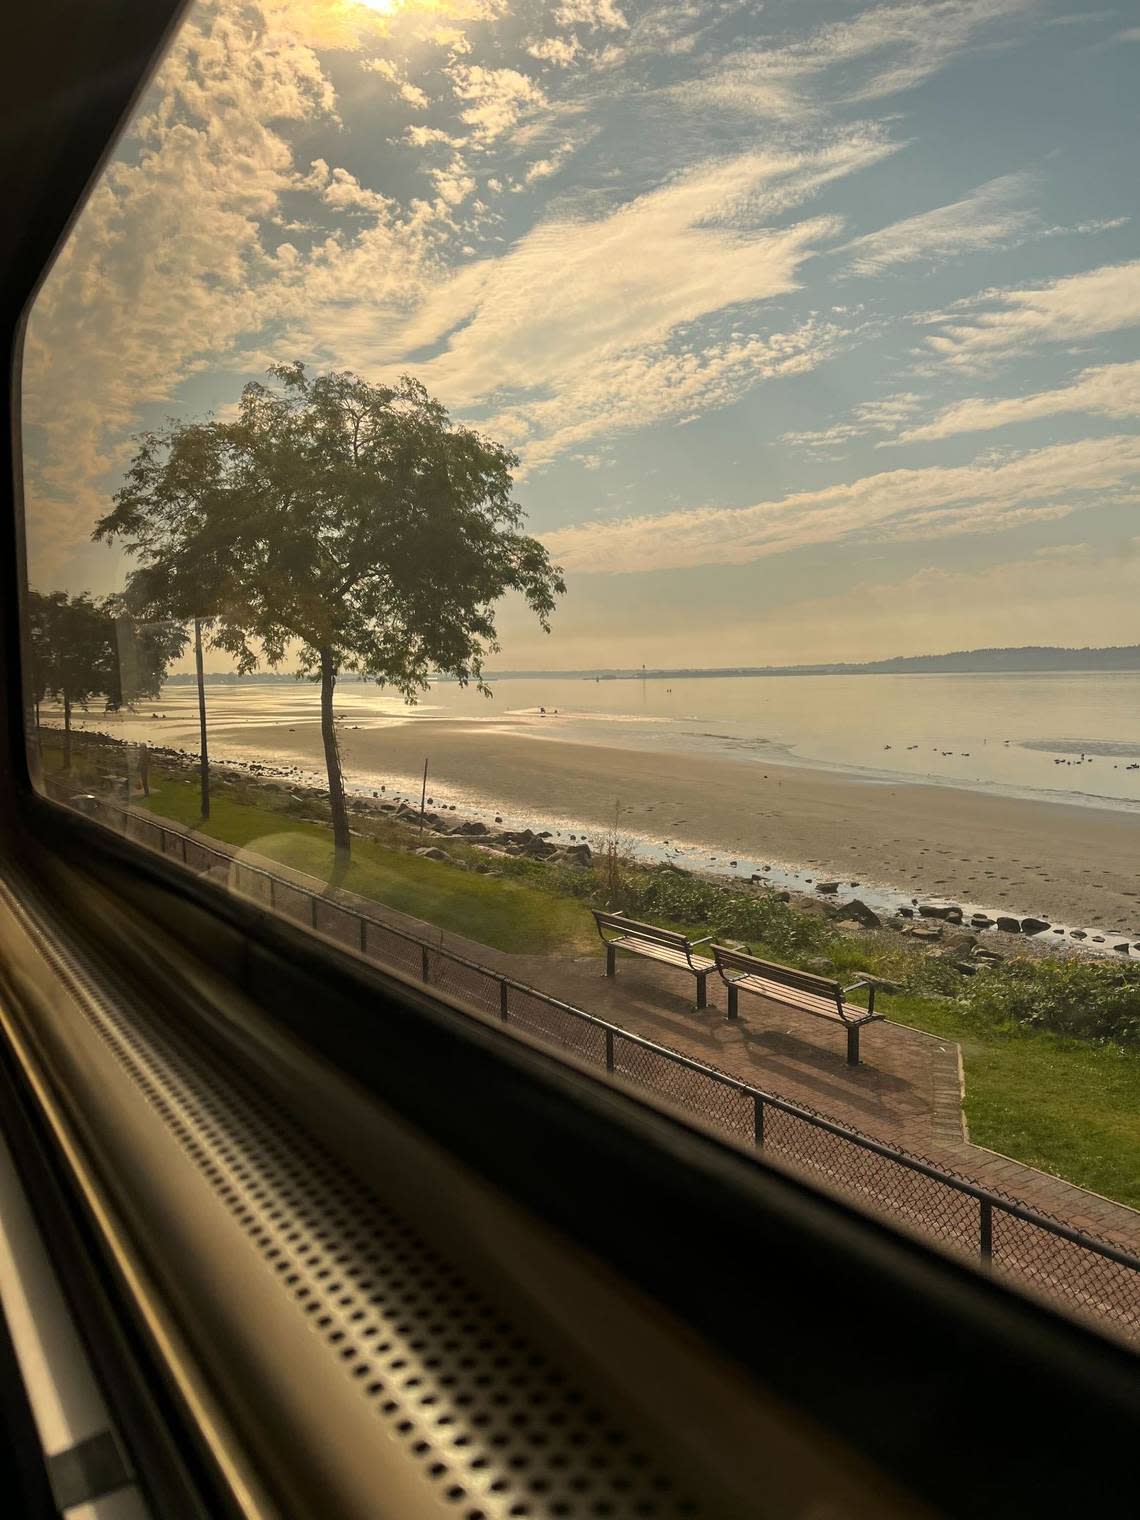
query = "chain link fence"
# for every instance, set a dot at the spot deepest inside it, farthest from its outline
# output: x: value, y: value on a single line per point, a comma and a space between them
x: 1089, y: 1276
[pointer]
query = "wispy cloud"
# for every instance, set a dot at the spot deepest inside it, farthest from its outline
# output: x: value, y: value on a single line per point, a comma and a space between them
x: 879, y: 52
x: 1106, y: 390
x: 868, y: 418
x: 931, y: 503
x: 986, y: 218
x: 574, y: 331
x: 1068, y: 310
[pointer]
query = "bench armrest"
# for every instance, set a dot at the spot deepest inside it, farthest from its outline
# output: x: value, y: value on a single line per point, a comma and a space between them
x: 702, y: 941
x: 863, y: 982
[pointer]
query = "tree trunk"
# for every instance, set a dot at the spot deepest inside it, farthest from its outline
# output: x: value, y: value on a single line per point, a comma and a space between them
x: 204, y: 761
x: 341, y: 839
x: 66, y: 732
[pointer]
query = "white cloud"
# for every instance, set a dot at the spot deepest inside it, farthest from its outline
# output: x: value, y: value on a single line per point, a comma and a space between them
x: 410, y: 94
x: 869, y: 417
x: 574, y: 330
x: 496, y: 98
x: 559, y: 51
x: 982, y: 219
x: 876, y: 53
x: 982, y: 497
x: 1068, y: 310
x: 167, y: 265
x: 1108, y: 390
x: 597, y: 15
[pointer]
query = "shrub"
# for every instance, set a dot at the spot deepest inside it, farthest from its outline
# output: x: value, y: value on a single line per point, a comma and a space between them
x: 1089, y: 1000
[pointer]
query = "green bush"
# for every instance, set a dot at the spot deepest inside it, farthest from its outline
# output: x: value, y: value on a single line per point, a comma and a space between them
x: 1088, y: 1000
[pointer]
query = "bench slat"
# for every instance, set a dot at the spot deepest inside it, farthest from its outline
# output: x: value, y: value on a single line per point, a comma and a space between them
x: 826, y: 1008
x: 664, y: 953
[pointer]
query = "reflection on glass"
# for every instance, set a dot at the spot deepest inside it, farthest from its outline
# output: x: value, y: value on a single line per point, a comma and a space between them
x: 516, y: 461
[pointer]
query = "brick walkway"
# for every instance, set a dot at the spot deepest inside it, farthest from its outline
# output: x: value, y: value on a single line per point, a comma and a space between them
x: 907, y: 1092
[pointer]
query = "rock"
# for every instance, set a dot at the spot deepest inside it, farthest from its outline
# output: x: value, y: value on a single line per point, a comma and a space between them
x: 905, y: 912
x: 537, y: 849
x: 948, y: 911
x: 981, y: 920
x: 1034, y: 926
x: 923, y: 931
x: 1077, y: 934
x: 986, y: 956
x: 1098, y: 939
x: 472, y: 829
x: 827, y: 886
x: 783, y: 897
x: 858, y: 911
x: 967, y: 968
x: 498, y: 818
x: 577, y: 852
x: 431, y: 852
x: 961, y: 940
x: 822, y: 965
x: 1122, y: 948
x: 1008, y: 925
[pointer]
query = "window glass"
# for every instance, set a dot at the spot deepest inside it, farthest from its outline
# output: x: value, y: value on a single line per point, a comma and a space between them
x: 627, y: 512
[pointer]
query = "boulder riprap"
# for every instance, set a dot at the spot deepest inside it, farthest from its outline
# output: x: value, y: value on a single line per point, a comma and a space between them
x: 857, y: 914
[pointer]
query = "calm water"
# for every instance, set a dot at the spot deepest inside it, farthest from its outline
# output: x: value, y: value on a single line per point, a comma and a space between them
x: 1023, y: 733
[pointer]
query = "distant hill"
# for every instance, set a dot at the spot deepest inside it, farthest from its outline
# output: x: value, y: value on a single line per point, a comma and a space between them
x: 1031, y: 657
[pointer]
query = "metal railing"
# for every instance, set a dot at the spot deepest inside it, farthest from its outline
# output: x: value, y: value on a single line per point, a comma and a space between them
x: 1089, y: 1275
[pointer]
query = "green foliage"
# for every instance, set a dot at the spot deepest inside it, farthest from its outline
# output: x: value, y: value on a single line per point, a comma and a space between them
x: 1089, y: 1000
x: 352, y: 523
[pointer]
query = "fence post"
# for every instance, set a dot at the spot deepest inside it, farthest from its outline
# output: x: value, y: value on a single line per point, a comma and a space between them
x: 758, y: 1120
x: 503, y: 1010
x: 609, y: 1049
x: 985, y: 1229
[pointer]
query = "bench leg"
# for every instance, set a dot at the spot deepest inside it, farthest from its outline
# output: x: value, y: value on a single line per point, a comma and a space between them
x: 611, y: 960
x: 702, y: 989
x: 733, y: 1001
x: 853, y: 1045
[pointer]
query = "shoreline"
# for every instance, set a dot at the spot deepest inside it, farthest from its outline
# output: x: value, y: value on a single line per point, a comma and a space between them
x: 1073, y: 865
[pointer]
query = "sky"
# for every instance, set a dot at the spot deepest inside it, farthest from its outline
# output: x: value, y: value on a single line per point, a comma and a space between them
x: 815, y: 325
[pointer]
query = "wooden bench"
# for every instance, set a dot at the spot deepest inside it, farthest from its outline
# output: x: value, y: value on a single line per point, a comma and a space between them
x: 817, y: 995
x: 656, y: 945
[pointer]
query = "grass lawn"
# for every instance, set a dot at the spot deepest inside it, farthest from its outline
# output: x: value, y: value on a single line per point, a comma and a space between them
x: 1062, y: 1105
x: 508, y: 915
x: 1065, y: 1106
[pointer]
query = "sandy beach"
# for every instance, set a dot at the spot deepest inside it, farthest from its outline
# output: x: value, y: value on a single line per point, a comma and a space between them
x: 1070, y: 864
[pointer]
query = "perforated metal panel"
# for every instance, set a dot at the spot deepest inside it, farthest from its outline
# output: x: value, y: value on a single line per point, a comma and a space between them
x: 495, y: 1429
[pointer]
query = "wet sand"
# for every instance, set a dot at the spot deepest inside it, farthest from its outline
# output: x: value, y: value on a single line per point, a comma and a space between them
x: 1064, y: 862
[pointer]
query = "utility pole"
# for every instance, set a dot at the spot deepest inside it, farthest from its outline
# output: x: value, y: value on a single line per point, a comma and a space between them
x: 204, y: 762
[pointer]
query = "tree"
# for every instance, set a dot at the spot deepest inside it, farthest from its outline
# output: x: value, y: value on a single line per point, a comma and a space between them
x: 349, y: 521
x: 81, y: 648
x: 72, y: 653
